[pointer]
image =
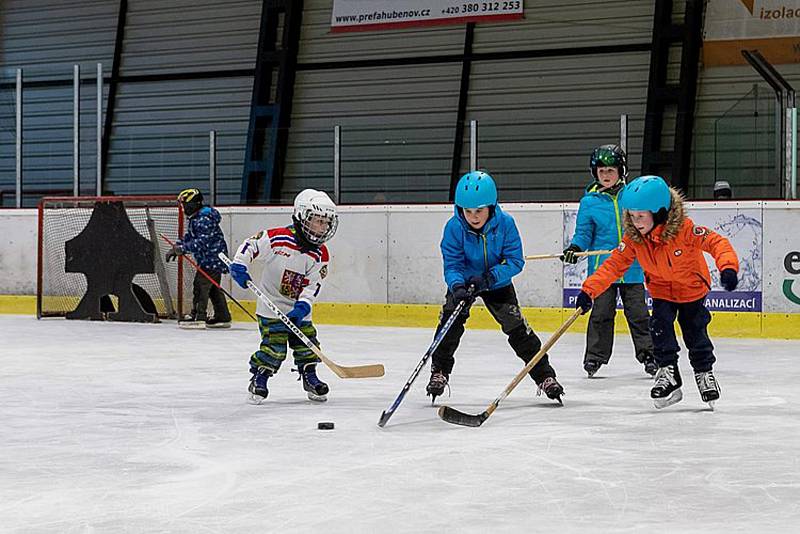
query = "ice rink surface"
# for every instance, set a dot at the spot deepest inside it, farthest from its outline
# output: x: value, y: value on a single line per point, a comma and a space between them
x: 145, y: 428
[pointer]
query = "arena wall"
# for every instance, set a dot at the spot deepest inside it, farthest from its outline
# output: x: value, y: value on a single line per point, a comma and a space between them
x: 386, y: 266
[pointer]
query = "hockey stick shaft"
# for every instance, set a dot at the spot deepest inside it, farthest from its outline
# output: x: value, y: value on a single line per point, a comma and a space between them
x: 386, y: 415
x: 204, y: 273
x: 459, y: 418
x: 359, y: 371
x: 558, y: 255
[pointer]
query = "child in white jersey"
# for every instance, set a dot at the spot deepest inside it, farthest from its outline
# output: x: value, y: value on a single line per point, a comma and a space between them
x: 296, y: 263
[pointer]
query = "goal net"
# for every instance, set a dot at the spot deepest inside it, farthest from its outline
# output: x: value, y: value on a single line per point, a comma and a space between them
x: 94, y: 252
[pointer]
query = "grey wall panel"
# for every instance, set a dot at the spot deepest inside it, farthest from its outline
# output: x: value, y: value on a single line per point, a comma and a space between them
x: 160, y: 139
x: 318, y: 44
x: 539, y: 119
x: 187, y: 35
x: 397, y: 132
x: 46, y: 37
x: 558, y: 24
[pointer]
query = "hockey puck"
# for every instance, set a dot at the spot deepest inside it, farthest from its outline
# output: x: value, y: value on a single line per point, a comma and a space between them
x: 325, y: 425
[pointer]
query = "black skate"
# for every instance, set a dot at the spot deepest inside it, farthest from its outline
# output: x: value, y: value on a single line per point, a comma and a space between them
x: 316, y: 389
x: 591, y: 367
x: 667, y: 388
x: 218, y: 323
x: 192, y: 321
x: 436, y: 385
x: 708, y: 387
x: 258, y: 385
x: 551, y: 388
x: 650, y: 366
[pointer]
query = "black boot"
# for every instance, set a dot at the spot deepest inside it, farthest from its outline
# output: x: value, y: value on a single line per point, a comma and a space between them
x: 551, y: 388
x: 316, y: 389
x: 667, y: 388
x: 258, y: 384
x: 437, y: 384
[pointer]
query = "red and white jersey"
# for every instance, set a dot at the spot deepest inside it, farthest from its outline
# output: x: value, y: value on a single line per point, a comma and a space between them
x: 291, y: 273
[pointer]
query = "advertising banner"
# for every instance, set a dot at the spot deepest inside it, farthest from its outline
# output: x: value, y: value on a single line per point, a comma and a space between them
x: 744, y: 229
x: 365, y: 15
x: 771, y: 26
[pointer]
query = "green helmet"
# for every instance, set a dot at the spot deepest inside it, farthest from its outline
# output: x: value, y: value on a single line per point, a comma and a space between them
x: 609, y: 156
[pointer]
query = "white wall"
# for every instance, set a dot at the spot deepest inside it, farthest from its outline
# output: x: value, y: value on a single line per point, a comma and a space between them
x: 390, y: 254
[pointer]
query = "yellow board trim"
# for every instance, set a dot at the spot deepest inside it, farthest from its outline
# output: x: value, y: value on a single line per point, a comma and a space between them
x: 723, y: 324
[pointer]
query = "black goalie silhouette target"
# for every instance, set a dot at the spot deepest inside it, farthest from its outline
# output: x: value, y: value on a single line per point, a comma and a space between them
x: 110, y: 252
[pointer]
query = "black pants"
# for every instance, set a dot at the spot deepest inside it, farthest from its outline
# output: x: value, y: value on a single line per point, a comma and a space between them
x: 600, y: 333
x: 693, y: 318
x: 203, y: 290
x: 503, y: 305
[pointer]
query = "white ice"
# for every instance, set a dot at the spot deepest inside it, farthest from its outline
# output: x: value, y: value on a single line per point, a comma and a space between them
x: 145, y: 428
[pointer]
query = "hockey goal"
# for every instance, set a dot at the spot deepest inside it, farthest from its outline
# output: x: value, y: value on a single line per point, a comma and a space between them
x: 86, y: 239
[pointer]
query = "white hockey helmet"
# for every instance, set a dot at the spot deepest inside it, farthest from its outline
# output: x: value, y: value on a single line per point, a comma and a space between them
x: 315, y: 216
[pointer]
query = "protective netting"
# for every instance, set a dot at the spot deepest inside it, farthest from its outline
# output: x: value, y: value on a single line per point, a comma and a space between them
x: 63, y: 218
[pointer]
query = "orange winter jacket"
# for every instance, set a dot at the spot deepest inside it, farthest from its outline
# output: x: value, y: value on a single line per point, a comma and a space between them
x: 671, y: 256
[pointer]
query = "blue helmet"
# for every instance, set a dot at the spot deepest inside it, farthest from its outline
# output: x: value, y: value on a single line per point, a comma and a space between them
x: 646, y: 193
x: 476, y: 189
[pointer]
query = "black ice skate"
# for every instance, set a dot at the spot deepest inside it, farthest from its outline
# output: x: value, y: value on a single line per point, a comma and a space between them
x: 708, y: 387
x: 591, y: 367
x: 667, y: 388
x: 218, y: 323
x: 316, y: 389
x: 436, y: 385
x: 650, y: 366
x: 551, y: 388
x: 258, y: 385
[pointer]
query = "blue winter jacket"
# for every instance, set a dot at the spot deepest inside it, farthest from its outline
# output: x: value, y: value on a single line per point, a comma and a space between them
x: 496, y: 248
x: 204, y: 240
x: 600, y: 227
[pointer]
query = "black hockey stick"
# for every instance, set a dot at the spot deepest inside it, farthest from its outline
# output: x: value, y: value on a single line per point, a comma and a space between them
x: 385, y: 416
x: 451, y: 415
x: 201, y: 271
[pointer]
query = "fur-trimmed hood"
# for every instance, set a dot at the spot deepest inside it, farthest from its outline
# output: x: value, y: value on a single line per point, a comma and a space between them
x: 675, y: 218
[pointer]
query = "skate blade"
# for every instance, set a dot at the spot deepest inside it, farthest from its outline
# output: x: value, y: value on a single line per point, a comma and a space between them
x: 219, y: 325
x: 255, y: 400
x: 675, y: 398
x: 711, y: 404
x: 192, y: 326
x: 316, y: 398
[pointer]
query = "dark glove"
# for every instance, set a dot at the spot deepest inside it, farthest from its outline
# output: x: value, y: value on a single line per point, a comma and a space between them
x: 728, y: 279
x: 174, y: 252
x: 569, y: 254
x: 299, y: 312
x: 584, y: 302
x: 481, y: 282
x: 461, y: 292
x: 239, y: 274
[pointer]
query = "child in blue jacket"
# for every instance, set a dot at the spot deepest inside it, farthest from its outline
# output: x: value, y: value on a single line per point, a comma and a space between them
x: 204, y: 240
x: 600, y: 227
x: 482, y: 251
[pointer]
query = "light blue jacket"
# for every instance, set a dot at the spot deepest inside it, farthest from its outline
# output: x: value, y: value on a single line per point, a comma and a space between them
x: 599, y: 227
x: 496, y: 248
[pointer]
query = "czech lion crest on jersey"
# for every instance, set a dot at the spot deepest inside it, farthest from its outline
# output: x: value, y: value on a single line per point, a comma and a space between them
x: 292, y: 284
x: 700, y: 230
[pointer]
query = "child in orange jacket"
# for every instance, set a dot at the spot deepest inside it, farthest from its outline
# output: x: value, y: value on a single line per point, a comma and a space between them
x: 670, y: 249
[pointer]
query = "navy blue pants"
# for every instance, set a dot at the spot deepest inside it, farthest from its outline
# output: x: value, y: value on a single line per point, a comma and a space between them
x: 693, y: 318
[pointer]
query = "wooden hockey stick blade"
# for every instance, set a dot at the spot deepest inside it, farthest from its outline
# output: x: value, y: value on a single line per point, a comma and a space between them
x: 374, y: 370
x: 451, y: 415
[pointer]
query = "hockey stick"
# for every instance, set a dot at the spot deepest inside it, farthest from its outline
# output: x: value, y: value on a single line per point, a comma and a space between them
x: 385, y: 416
x: 201, y: 271
x: 357, y: 371
x: 451, y: 415
x: 578, y: 254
